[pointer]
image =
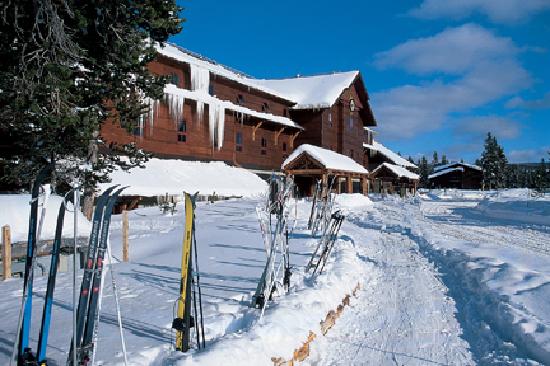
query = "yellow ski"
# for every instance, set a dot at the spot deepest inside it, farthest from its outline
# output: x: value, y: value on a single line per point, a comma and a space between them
x: 184, y: 321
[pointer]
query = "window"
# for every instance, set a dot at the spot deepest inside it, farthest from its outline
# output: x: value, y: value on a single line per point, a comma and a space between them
x: 350, y: 122
x: 351, y: 153
x: 329, y: 120
x: 265, y: 108
x: 174, y: 79
x: 240, y: 99
x: 182, y: 131
x: 352, y: 105
x: 211, y: 89
x: 182, y: 126
x: 263, y: 150
x: 136, y: 131
x: 239, y: 141
x: 284, y: 146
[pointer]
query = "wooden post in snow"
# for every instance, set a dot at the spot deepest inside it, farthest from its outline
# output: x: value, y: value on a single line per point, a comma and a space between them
x: 349, y: 182
x: 125, y: 237
x: 6, y: 252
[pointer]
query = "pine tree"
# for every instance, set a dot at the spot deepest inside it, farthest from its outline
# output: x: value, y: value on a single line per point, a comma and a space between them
x: 444, y: 159
x: 540, y: 177
x: 493, y: 162
x: 411, y: 159
x: 66, y: 68
x: 424, y: 172
x: 435, y: 160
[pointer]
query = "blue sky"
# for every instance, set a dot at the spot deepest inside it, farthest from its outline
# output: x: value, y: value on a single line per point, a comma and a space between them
x: 440, y: 73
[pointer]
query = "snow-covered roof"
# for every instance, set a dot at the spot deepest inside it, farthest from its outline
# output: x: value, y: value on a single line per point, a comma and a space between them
x: 180, y: 54
x: 398, y: 170
x: 319, y: 91
x: 331, y: 160
x: 389, y: 154
x: 456, y: 164
x: 445, y: 171
x: 172, y: 176
x: 208, y: 99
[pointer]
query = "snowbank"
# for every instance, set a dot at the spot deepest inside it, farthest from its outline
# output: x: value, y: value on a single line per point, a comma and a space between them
x: 352, y: 200
x: 16, y: 209
x: 528, y: 211
x: 175, y: 176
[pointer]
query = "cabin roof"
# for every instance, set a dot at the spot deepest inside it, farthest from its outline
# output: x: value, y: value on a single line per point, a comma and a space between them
x: 445, y: 171
x: 395, y: 158
x: 456, y: 165
x: 329, y: 159
x: 399, y: 171
x: 318, y: 91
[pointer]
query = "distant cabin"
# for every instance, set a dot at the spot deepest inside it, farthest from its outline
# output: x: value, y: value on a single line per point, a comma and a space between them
x: 456, y: 175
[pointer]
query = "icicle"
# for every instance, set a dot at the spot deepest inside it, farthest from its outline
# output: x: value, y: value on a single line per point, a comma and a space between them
x: 212, y: 117
x: 221, y: 125
x: 200, y: 111
x: 200, y: 79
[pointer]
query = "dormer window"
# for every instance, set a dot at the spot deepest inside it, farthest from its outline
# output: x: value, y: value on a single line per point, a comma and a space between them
x: 265, y: 108
x: 240, y: 99
x: 352, y: 105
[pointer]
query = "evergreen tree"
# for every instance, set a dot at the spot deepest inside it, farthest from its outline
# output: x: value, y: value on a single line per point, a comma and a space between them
x: 444, y: 159
x: 435, y: 160
x: 424, y: 172
x: 69, y: 66
x: 493, y: 162
x: 411, y: 159
x: 540, y: 177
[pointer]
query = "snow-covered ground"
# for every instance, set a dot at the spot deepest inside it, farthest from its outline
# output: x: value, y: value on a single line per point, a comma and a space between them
x: 440, y: 282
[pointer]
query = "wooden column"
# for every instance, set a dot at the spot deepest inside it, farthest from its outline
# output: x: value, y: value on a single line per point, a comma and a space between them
x: 125, y: 237
x: 365, y: 185
x: 6, y: 252
x: 254, y: 129
x: 292, y: 138
x: 324, y: 185
x: 277, y: 135
x: 349, y: 184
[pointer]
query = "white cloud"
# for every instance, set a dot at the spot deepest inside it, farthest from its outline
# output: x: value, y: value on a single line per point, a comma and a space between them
x: 529, y: 155
x: 499, y: 11
x: 483, y: 71
x: 452, y: 51
x: 477, y: 127
x: 518, y: 102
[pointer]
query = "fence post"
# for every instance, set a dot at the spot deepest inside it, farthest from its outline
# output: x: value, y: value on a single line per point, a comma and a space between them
x: 6, y: 252
x: 125, y: 237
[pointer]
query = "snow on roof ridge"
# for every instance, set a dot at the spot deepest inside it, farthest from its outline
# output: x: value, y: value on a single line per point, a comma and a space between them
x: 445, y: 166
x: 316, y: 91
x: 398, y: 170
x: 398, y: 160
x: 444, y: 171
x: 320, y: 74
x: 330, y: 159
x: 181, y: 54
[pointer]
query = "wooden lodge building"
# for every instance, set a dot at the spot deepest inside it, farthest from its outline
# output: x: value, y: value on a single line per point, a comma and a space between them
x: 457, y: 175
x: 211, y: 112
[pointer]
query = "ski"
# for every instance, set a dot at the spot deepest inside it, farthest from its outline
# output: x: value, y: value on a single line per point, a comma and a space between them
x: 87, y: 345
x: 83, y: 300
x: 183, y: 321
x: 24, y: 324
x: 46, y: 313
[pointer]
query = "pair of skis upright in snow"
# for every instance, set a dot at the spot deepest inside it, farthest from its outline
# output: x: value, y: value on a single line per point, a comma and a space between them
x: 326, y: 243
x: 274, y: 225
x: 321, y: 207
x: 189, y: 287
x: 87, y: 315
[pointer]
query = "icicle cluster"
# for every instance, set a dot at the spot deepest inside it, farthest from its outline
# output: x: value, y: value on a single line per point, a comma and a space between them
x: 200, y: 81
x: 175, y: 104
x: 216, y: 123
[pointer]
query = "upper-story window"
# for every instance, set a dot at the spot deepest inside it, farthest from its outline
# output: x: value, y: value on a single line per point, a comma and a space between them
x: 352, y: 105
x: 351, y: 153
x: 211, y: 89
x: 284, y: 146
x: 182, y: 131
x: 285, y: 112
x: 174, y: 79
x: 239, y: 141
x: 329, y: 119
x: 351, y: 121
x: 263, y: 149
x: 264, y: 142
x: 240, y: 99
x: 265, y: 108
